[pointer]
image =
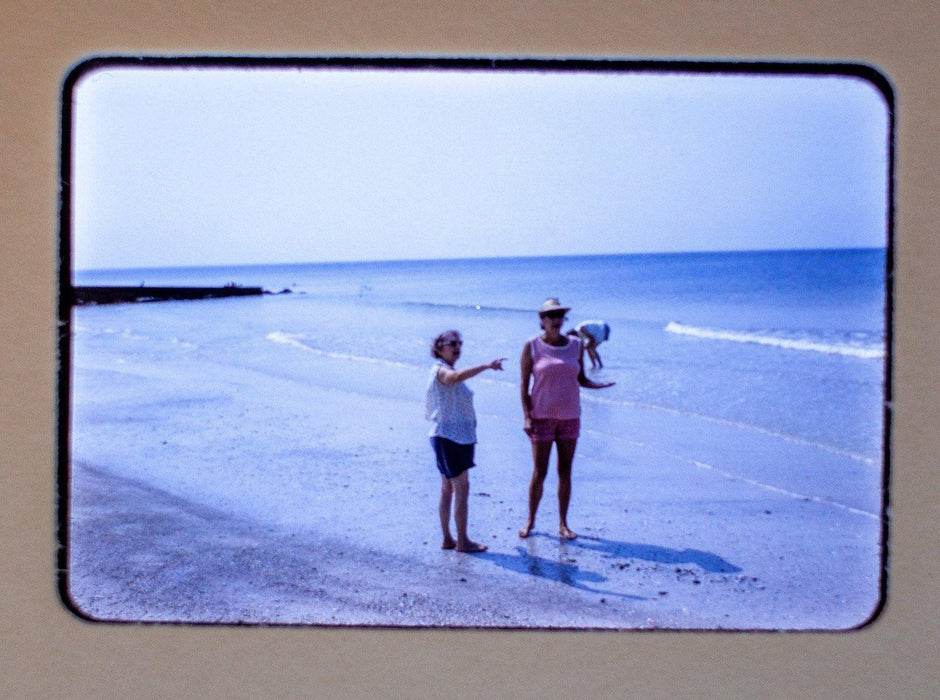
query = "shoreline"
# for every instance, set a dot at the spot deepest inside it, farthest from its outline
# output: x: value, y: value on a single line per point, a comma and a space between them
x: 139, y: 554
x: 239, y: 481
x: 212, y: 508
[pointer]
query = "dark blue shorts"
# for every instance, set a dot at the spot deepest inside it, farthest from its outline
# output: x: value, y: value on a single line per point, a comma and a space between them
x: 453, y: 459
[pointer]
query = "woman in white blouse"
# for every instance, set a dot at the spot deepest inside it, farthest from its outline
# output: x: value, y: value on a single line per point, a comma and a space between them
x: 450, y: 406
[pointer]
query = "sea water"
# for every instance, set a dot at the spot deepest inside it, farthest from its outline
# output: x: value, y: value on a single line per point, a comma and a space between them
x: 789, y: 343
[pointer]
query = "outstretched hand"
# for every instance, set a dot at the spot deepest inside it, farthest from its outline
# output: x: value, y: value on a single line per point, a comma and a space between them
x: 497, y: 364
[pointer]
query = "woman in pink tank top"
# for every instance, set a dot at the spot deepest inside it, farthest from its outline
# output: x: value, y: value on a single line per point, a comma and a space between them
x: 552, y: 364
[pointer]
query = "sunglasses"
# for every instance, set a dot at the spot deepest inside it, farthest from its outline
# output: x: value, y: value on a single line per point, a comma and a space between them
x: 554, y: 314
x: 453, y: 344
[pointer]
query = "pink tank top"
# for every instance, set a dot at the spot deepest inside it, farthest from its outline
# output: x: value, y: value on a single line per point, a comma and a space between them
x: 555, y: 390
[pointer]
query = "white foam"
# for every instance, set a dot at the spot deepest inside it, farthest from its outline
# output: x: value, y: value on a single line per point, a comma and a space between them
x: 733, y: 424
x: 126, y: 333
x: 742, y: 479
x: 864, y: 352
x: 286, y: 339
x: 297, y: 340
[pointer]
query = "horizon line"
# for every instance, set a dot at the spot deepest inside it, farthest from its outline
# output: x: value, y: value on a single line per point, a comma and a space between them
x: 189, y: 266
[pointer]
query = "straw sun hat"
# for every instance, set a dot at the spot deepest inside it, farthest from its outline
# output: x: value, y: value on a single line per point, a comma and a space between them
x: 552, y: 304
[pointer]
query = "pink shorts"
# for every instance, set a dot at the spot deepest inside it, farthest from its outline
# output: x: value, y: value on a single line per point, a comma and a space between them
x: 551, y: 429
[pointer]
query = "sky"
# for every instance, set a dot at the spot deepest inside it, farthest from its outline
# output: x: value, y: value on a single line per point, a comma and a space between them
x: 182, y: 166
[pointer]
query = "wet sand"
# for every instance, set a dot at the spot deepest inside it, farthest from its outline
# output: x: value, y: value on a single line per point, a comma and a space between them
x: 206, y: 502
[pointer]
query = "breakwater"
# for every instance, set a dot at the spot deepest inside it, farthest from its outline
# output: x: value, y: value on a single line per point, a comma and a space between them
x: 84, y: 295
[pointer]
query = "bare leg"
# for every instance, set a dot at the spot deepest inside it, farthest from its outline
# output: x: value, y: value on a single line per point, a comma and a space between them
x: 566, y: 450
x: 447, y: 491
x: 541, y: 452
x: 591, y: 348
x: 596, y: 358
x: 461, y: 496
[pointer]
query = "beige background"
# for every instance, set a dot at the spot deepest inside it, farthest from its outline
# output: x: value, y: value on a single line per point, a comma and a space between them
x: 46, y: 652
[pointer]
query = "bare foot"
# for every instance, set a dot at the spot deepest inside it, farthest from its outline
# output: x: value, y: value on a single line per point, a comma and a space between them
x: 526, y: 531
x: 449, y: 543
x: 566, y: 533
x: 471, y: 547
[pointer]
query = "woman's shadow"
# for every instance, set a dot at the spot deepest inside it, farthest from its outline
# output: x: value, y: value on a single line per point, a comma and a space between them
x: 561, y: 570
x: 709, y: 562
x: 566, y: 570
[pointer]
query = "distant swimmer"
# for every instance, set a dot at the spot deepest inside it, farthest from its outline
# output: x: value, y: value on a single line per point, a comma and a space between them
x: 592, y: 334
x: 450, y: 406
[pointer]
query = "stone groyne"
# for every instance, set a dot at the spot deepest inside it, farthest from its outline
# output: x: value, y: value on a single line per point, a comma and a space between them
x: 84, y: 295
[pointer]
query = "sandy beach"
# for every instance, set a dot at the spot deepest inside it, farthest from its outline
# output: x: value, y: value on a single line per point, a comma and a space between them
x: 203, y: 492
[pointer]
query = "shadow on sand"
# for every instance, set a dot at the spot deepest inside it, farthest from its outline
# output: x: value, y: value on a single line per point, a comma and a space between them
x: 561, y: 570
x: 610, y: 549
x: 564, y: 569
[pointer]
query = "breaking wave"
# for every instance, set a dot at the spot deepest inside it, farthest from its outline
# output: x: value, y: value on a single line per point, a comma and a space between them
x: 864, y: 351
x: 299, y: 341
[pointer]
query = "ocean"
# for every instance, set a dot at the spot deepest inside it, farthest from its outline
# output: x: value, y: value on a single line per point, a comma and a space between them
x: 788, y: 343
x: 257, y: 458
